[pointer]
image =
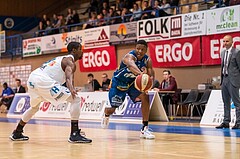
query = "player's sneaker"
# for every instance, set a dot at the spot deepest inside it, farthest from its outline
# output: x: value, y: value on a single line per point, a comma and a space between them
x: 18, y: 136
x: 146, y: 133
x: 76, y: 137
x: 105, y: 122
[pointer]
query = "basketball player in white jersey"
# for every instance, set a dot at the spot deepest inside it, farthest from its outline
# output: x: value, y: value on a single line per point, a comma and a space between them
x: 46, y: 84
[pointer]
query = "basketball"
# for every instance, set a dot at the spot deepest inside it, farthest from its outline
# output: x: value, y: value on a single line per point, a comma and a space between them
x: 143, y: 82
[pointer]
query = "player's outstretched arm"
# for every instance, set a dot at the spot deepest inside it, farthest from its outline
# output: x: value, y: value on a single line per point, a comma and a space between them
x: 70, y: 68
x: 129, y: 60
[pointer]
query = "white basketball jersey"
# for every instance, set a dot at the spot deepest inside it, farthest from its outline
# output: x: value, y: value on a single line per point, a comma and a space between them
x: 53, y: 69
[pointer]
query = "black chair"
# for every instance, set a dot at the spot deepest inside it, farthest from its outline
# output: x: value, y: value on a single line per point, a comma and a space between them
x: 191, y: 98
x: 202, y: 102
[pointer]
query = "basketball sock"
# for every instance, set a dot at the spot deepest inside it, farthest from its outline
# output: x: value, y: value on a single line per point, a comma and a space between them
x: 74, y: 126
x: 20, y: 126
x: 145, y: 123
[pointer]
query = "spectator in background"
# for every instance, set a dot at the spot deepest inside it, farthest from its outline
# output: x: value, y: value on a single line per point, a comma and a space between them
x: 125, y: 15
x: 20, y: 88
x: 105, y: 82
x: 113, y: 13
x: 44, y: 21
x: 220, y: 3
x: 6, y: 97
x: 94, y: 82
x: 168, y: 84
x: 54, y: 20
x: 106, y: 17
x: 48, y: 30
x: 165, y: 12
x: 147, y: 11
x: 100, y: 20
x: 75, y: 18
x: 136, y: 13
x: 68, y: 20
x: 92, y: 22
x: 156, y: 9
x: 234, y: 2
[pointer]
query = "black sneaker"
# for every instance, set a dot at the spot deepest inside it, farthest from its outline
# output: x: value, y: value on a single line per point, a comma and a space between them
x: 18, y: 136
x: 76, y: 137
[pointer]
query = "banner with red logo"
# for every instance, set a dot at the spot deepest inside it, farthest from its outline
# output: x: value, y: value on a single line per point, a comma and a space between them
x: 212, y: 46
x: 177, y: 52
x: 98, y: 59
x: 96, y: 37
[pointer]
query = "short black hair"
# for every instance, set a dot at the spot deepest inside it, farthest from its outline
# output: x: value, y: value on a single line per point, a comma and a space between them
x: 168, y: 71
x: 73, y: 45
x: 5, y: 84
x: 143, y: 42
x: 17, y: 79
x: 90, y: 75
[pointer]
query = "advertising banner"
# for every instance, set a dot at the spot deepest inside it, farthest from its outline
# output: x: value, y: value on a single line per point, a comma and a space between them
x: 194, y: 24
x: 153, y: 29
x: 212, y: 46
x: 58, y: 42
x: 98, y: 59
x: 222, y: 20
x: 176, y: 52
x: 20, y: 103
x: 214, y: 112
x: 96, y: 37
x: 32, y: 47
x: 124, y: 33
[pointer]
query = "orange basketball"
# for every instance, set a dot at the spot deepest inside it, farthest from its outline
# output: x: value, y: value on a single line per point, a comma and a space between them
x: 143, y: 82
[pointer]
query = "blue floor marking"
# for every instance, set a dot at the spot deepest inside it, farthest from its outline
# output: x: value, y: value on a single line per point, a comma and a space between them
x: 136, y: 127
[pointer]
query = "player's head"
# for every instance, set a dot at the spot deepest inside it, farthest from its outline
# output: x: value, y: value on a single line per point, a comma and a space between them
x: 141, y: 48
x: 76, y: 49
x: 227, y: 41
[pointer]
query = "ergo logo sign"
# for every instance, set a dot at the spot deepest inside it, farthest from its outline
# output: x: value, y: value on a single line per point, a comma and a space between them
x: 97, y: 59
x: 176, y: 52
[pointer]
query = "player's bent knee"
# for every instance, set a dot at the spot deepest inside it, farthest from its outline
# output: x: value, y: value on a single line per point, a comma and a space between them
x: 75, y: 108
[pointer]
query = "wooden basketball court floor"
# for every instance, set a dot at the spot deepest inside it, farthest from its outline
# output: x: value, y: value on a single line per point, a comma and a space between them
x: 174, y: 140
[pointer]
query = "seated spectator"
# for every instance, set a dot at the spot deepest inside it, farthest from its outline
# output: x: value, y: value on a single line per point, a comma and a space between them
x: 234, y: 2
x: 93, y: 81
x: 92, y: 22
x: 113, y: 13
x: 69, y: 17
x: 6, y: 97
x: 125, y: 15
x: 136, y: 13
x: 165, y: 12
x: 220, y: 3
x: 156, y: 9
x: 168, y: 84
x: 105, y: 82
x: 48, y: 30
x: 147, y: 11
x: 20, y: 88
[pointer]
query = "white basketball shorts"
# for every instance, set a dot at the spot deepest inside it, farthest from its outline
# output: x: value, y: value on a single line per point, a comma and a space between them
x: 43, y: 88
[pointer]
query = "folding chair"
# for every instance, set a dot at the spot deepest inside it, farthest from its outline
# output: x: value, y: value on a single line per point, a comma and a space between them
x: 192, y: 97
x: 202, y: 102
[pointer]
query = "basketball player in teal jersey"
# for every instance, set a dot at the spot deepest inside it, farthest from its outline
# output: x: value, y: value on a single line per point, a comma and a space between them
x: 46, y: 84
x: 133, y: 63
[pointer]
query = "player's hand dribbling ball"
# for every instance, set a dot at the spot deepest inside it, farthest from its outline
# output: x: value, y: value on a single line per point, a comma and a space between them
x: 143, y: 82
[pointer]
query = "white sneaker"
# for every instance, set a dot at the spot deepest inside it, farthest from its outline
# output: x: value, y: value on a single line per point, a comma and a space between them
x: 146, y: 133
x: 105, y: 122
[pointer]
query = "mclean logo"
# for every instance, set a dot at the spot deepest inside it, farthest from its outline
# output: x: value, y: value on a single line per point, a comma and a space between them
x: 103, y: 35
x: 176, y: 23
